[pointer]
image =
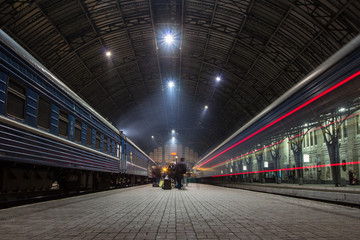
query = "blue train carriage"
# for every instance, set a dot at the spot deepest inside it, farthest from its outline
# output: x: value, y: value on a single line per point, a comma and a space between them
x: 49, y: 137
x: 138, y: 163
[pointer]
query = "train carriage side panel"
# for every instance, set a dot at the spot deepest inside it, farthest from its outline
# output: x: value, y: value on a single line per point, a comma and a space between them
x: 31, y: 107
x: 30, y: 145
x: 93, y: 134
x: 43, y: 86
x: 22, y: 141
x: 83, y: 133
x: 54, y: 119
x: 137, y: 161
x: 123, y: 155
x: 3, y: 87
x: 71, y: 126
x: 108, y: 146
x: 102, y: 142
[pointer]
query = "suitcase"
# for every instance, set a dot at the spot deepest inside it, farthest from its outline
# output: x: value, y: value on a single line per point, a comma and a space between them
x: 161, y: 183
x: 167, y: 184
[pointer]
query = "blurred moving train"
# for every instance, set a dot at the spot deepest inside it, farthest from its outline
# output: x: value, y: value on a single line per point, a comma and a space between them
x: 50, y: 135
x: 311, y: 134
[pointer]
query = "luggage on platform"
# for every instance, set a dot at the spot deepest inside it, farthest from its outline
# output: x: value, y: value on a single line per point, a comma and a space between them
x: 167, y: 184
x: 161, y: 183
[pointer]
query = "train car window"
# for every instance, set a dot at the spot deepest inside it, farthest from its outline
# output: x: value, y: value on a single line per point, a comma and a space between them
x: 315, y: 137
x: 118, y: 150
x: 88, y: 136
x: 77, y: 135
x: 311, y: 139
x: 131, y: 157
x: 15, y: 104
x: 63, y: 123
x: 105, y: 145
x: 358, y: 124
x: 44, y: 111
x: 97, y: 141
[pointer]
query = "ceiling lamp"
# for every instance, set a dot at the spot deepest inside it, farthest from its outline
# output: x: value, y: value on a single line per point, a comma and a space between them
x: 169, y: 39
x: 171, y: 84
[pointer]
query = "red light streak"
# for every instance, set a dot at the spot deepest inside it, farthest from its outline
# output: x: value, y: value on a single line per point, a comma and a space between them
x: 312, y: 130
x: 245, y: 154
x: 287, y: 169
x: 285, y: 115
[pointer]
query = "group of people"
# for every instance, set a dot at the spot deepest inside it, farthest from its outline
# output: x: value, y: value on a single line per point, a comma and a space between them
x: 174, y: 171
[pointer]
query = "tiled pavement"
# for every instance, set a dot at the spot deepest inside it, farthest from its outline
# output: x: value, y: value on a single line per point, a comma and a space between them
x: 200, y: 212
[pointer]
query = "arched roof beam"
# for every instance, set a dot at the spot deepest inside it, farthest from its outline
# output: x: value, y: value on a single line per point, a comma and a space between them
x: 137, y: 63
x: 93, y: 25
x: 313, y: 20
x: 181, y: 55
x: 308, y: 44
x: 158, y: 61
x: 230, y: 73
x: 261, y: 53
x: 105, y: 73
x: 205, y: 48
x: 68, y: 44
x: 84, y: 45
x: 224, y: 70
x: 235, y: 39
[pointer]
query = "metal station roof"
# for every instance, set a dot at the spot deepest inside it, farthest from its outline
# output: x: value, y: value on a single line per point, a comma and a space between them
x: 259, y: 48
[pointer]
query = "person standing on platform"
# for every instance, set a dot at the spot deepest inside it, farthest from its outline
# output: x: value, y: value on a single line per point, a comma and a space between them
x: 180, y: 170
x: 154, y: 176
x: 170, y: 171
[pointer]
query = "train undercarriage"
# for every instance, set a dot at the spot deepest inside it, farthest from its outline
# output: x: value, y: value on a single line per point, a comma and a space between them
x: 19, y: 181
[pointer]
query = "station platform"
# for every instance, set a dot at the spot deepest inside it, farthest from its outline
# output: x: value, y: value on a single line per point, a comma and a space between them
x: 199, y: 212
x: 349, y: 195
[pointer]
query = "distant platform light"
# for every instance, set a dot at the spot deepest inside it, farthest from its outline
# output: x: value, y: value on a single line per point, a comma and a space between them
x: 206, y: 107
x: 173, y: 131
x: 169, y: 39
x: 171, y: 84
x: 108, y: 53
x: 173, y: 138
x: 342, y: 110
x: 152, y: 137
x: 218, y: 78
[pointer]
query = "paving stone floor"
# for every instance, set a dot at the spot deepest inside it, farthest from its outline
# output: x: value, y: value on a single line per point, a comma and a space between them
x: 200, y: 212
